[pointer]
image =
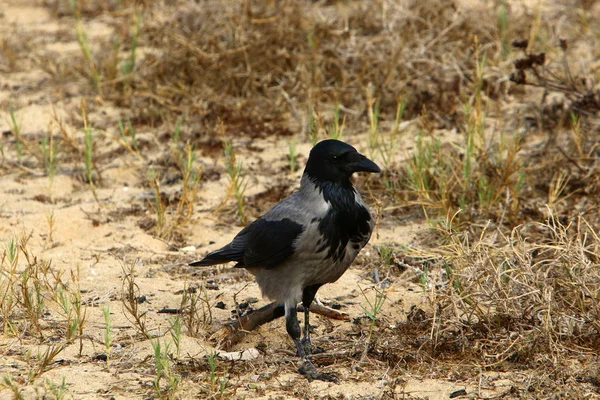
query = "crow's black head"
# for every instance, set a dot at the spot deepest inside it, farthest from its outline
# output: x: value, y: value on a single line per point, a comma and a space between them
x: 335, y: 161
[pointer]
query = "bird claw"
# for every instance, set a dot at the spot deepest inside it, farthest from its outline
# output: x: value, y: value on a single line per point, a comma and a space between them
x: 311, y: 373
x: 309, y: 348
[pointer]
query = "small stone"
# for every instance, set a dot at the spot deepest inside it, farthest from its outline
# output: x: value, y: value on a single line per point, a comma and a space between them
x: 188, y: 249
x: 220, y: 305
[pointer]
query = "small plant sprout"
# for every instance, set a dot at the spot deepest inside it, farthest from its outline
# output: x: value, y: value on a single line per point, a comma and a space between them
x: 84, y: 45
x: 128, y: 136
x: 63, y: 299
x: 211, y: 358
x: 128, y: 65
x: 94, y: 75
x: 51, y: 219
x: 12, y: 251
x: 196, y: 310
x: 9, y: 297
x: 45, y: 360
x: 453, y: 278
x: 69, y: 299
x: 49, y: 149
x: 131, y: 299
x: 15, y: 128
x: 336, y: 128
x: 190, y: 181
x: 163, y: 371
x: 371, y: 310
x: 217, y: 385
x: 423, y: 278
x: 311, y: 126
x: 107, y: 331
x: 31, y: 298
x: 7, y: 382
x: 159, y: 205
x: 88, y: 151
x: 175, y: 325
x: 389, y: 148
x: 387, y: 255
x: 420, y: 166
x: 237, y: 184
x: 502, y: 29
x: 576, y: 134
x: 373, y: 111
x: 556, y: 188
x: 177, y: 131
x: 58, y: 391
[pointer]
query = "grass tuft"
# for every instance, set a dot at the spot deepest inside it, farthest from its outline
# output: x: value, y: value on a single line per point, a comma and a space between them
x: 237, y: 183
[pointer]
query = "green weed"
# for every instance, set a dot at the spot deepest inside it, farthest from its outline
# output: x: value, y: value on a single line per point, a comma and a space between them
x: 386, y: 253
x: 9, y: 383
x: 175, y: 331
x: 130, y: 298
x: 177, y: 130
x: 237, y: 183
x: 51, y: 220
x: 159, y: 206
x: 84, y: 45
x: 128, y: 65
x: 502, y: 29
x: 163, y: 372
x: 107, y: 337
x: 336, y: 128
x: 373, y: 112
x: 372, y: 310
x: 196, y: 310
x: 128, y: 131
x: 58, y: 391
x: 389, y: 146
x: 49, y: 150
x: 190, y: 181
x: 15, y: 128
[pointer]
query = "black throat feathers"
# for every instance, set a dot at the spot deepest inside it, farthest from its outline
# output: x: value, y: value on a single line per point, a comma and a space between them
x: 346, y: 221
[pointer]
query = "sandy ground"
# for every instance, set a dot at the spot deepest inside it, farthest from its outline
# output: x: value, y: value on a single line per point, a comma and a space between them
x: 100, y: 238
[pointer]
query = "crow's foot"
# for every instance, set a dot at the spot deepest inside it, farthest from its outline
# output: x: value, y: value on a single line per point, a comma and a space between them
x: 311, y: 373
x: 309, y: 348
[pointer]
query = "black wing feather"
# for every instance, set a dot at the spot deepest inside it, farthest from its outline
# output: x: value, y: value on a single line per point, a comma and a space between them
x: 261, y: 244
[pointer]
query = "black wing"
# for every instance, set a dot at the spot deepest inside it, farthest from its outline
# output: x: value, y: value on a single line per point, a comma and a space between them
x: 261, y: 244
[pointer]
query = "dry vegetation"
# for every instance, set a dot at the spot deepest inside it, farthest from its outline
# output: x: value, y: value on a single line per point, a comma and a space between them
x: 168, y: 124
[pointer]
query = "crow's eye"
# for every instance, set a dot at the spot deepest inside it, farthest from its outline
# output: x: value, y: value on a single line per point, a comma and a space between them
x: 335, y: 158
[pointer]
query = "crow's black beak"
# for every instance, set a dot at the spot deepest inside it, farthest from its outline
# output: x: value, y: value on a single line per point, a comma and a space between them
x: 364, y: 165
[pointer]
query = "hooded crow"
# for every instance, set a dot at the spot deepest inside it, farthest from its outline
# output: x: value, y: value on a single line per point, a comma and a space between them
x: 308, y: 239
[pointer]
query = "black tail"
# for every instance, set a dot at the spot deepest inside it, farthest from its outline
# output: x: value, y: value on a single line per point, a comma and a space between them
x: 220, y: 256
x: 211, y: 259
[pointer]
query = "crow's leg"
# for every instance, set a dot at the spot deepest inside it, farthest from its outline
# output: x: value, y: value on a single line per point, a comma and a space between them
x: 293, y: 328
x: 307, y: 368
x: 311, y: 373
x: 306, y: 336
x: 308, y: 295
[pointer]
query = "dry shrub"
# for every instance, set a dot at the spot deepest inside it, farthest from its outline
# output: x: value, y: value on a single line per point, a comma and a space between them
x: 250, y: 61
x: 530, y: 297
x: 527, y: 301
x: 87, y: 8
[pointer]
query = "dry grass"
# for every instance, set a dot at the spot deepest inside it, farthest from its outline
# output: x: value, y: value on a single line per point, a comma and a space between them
x: 494, y: 146
x: 523, y: 301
